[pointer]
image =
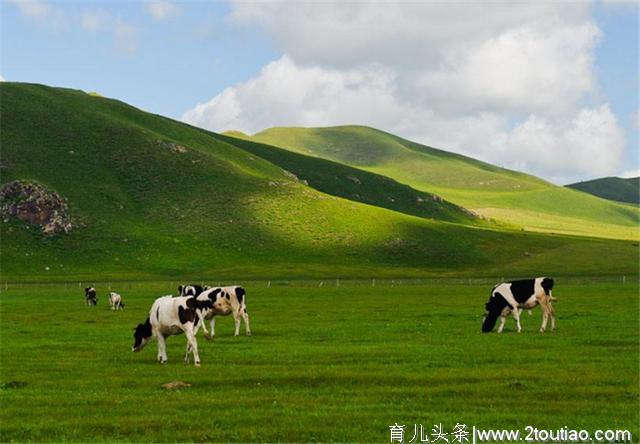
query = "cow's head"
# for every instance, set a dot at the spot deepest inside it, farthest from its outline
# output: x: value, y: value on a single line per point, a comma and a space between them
x: 141, y: 335
x: 493, y: 309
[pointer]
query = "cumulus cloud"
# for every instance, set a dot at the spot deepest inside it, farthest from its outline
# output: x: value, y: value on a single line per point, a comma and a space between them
x: 630, y: 173
x: 41, y: 11
x: 2, y: 79
x: 161, y: 9
x: 509, y: 88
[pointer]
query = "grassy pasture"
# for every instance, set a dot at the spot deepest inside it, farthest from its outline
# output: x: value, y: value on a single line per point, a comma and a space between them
x: 324, y: 364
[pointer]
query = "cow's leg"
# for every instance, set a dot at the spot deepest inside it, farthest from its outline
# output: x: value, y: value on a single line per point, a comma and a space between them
x: 204, y: 327
x: 213, y: 326
x: 236, y: 318
x: 192, y: 344
x: 162, y: 348
x: 516, y: 316
x: 245, y: 318
x: 544, y: 305
x: 552, y: 312
x: 502, y: 321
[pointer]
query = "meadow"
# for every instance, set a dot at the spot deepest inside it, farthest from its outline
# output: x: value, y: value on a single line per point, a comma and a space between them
x: 330, y: 363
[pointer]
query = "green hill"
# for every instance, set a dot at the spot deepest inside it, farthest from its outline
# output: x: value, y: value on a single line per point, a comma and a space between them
x: 508, y: 196
x: 152, y: 197
x: 355, y: 184
x: 612, y: 188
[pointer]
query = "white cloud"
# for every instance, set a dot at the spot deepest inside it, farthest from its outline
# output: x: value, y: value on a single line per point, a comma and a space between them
x: 2, y: 79
x: 629, y: 174
x: 125, y: 37
x: 285, y: 93
x: 161, y: 9
x: 97, y: 20
x: 41, y: 11
x: 508, y: 88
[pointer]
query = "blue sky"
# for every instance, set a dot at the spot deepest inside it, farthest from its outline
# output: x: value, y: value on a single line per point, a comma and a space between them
x: 551, y: 90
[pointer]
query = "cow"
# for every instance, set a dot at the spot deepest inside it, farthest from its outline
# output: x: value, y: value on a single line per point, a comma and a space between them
x: 169, y: 316
x: 190, y: 290
x: 512, y: 297
x: 115, y: 301
x: 224, y: 301
x: 90, y: 296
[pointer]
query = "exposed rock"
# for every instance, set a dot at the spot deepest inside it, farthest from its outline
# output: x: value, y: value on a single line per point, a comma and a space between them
x: 354, y: 179
x: 290, y: 175
x: 176, y: 148
x: 34, y: 204
x: 176, y: 385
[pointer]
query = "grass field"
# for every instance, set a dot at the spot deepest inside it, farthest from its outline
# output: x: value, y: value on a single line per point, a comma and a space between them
x: 324, y: 364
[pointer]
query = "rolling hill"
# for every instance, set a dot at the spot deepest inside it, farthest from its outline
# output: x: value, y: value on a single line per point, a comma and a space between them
x: 508, y: 196
x: 152, y: 197
x: 612, y: 188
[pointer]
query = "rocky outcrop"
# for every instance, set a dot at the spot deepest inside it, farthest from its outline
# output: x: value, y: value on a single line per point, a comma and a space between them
x: 36, y: 205
x: 176, y: 148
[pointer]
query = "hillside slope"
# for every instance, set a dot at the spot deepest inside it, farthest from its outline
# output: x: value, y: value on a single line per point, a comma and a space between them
x: 612, y: 188
x: 508, y: 196
x: 355, y: 184
x: 157, y: 198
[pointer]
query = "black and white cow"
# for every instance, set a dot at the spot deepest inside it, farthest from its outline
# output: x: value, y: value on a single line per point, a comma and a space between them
x: 190, y: 290
x: 115, y: 301
x: 90, y: 296
x: 169, y: 316
x: 224, y: 301
x: 512, y: 297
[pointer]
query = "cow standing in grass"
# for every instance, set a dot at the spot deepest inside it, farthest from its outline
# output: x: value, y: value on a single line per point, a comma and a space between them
x: 115, y: 301
x: 90, y: 296
x: 224, y: 301
x: 512, y: 297
x: 169, y: 316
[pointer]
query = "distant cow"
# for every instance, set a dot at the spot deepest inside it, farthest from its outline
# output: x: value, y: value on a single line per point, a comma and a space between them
x: 90, y: 296
x: 190, y: 290
x: 115, y: 301
x: 169, y: 316
x: 224, y: 301
x: 512, y: 297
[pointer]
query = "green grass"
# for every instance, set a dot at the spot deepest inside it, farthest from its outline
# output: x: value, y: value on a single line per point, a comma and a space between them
x: 324, y: 364
x: 220, y: 209
x: 612, y: 188
x: 464, y: 181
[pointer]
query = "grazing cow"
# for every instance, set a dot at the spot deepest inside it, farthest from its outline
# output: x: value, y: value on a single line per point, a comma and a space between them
x: 224, y: 301
x: 115, y: 301
x: 190, y: 290
x: 90, y: 296
x: 169, y: 316
x: 512, y: 297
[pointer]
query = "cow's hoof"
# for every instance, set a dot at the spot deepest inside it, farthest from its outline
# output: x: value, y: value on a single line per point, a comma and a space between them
x: 207, y: 336
x: 248, y: 333
x: 197, y: 364
x: 236, y: 335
